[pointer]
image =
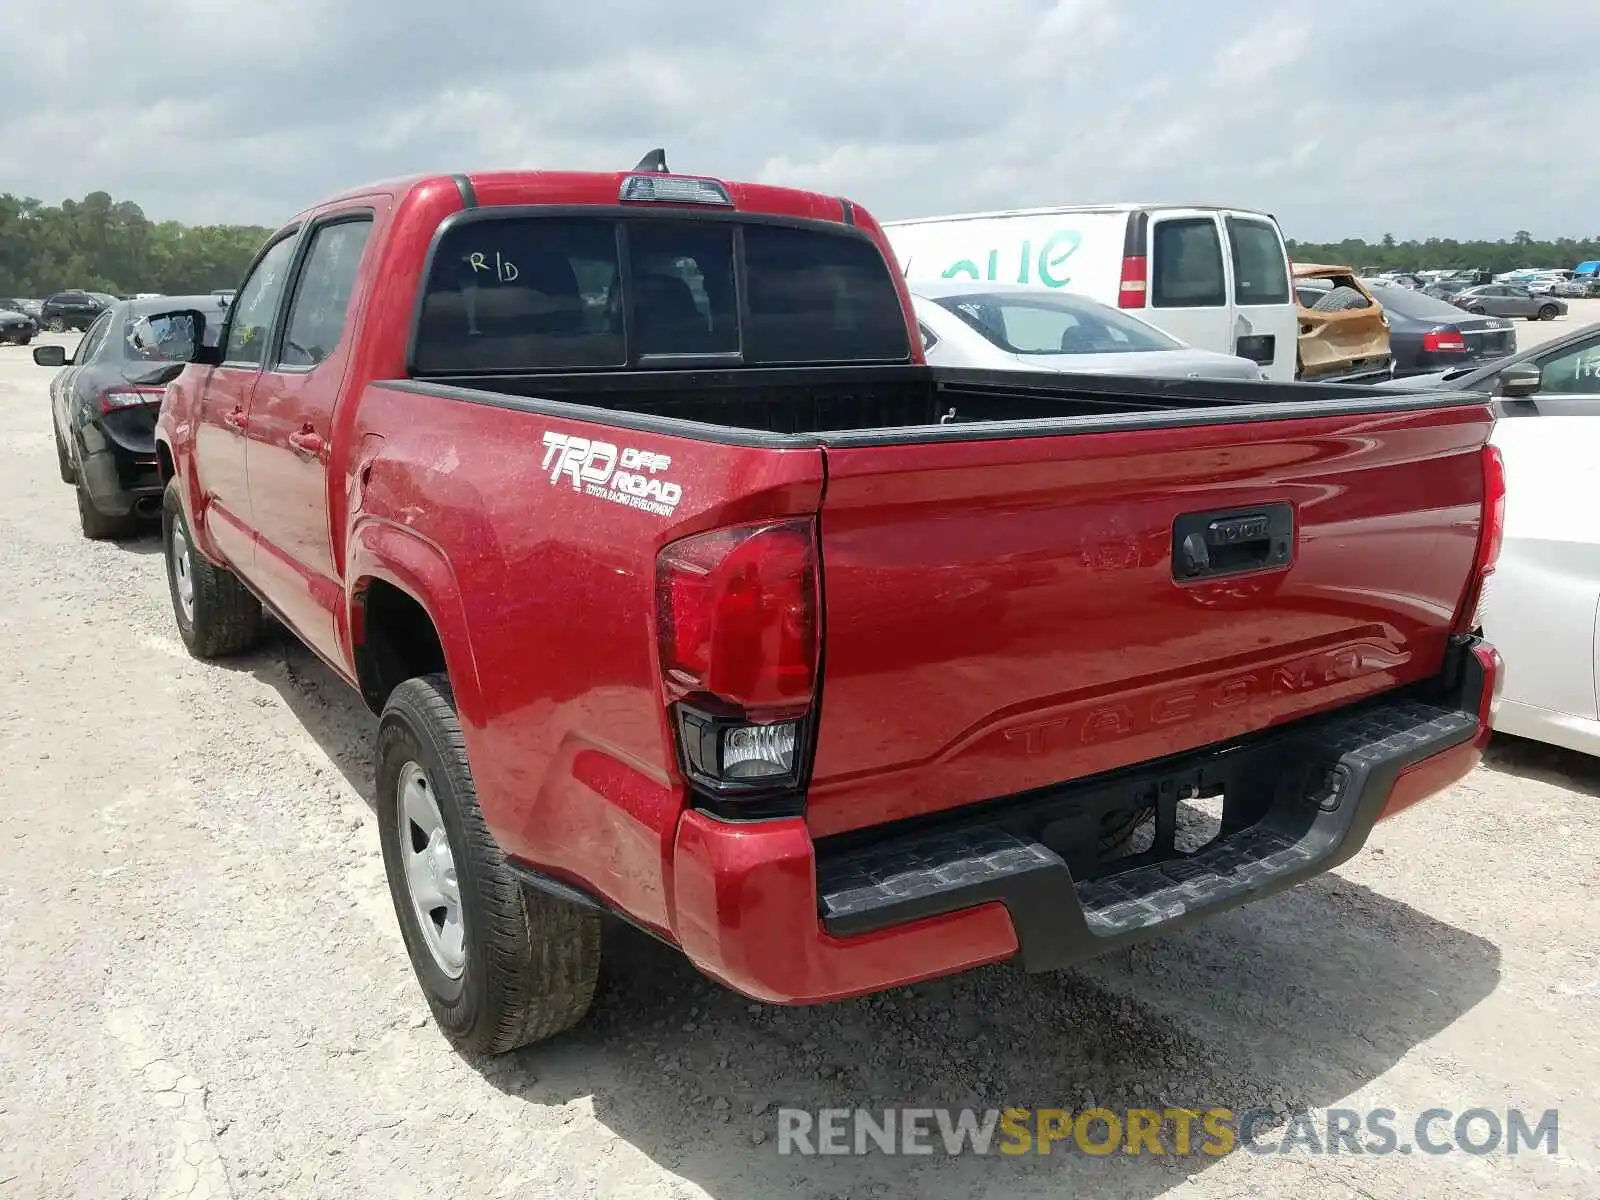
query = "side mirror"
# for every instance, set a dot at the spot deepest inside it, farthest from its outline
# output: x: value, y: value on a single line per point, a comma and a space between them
x: 1521, y: 379
x: 179, y: 335
x: 50, y: 356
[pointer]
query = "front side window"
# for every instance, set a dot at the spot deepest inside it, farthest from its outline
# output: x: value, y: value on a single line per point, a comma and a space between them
x: 1054, y: 324
x: 519, y: 294
x: 89, y: 348
x: 322, y: 298
x: 1188, y: 265
x: 257, y: 305
x: 1575, y: 372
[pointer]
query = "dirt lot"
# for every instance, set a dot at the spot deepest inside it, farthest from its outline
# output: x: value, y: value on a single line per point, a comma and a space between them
x: 203, y: 992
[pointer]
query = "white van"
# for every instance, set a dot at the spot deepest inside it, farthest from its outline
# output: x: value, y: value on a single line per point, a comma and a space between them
x: 1217, y: 278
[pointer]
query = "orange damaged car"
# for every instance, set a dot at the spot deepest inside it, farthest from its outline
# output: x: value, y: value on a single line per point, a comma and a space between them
x: 1344, y: 334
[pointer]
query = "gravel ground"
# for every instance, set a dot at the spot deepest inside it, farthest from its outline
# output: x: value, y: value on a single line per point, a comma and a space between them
x: 203, y: 992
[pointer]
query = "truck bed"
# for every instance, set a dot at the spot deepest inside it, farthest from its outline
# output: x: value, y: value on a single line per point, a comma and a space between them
x: 1007, y: 603
x: 864, y: 405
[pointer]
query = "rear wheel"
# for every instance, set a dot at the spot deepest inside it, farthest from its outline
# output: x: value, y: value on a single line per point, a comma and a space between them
x: 96, y: 525
x: 216, y: 614
x: 55, y: 325
x: 501, y: 965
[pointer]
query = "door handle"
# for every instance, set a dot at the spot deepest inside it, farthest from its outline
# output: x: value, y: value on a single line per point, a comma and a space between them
x: 236, y: 419
x: 1234, y: 542
x: 307, y: 443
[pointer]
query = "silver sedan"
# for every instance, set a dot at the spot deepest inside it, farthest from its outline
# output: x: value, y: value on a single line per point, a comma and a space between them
x: 1508, y: 300
x: 1015, y: 327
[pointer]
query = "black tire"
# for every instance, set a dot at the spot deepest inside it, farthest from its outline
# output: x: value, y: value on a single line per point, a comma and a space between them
x: 1549, y: 312
x: 227, y: 617
x: 96, y: 525
x: 531, y: 959
x: 69, y: 473
x: 1118, y: 829
x: 55, y: 325
x: 1340, y: 299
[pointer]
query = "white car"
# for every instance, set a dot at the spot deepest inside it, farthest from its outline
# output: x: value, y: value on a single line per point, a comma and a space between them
x: 1542, y: 605
x: 1018, y: 328
x: 1214, y: 278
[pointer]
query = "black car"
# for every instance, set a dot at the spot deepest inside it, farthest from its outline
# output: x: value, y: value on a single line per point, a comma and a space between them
x: 73, y: 310
x: 104, y: 406
x: 16, y: 326
x: 1427, y: 334
x: 1558, y: 377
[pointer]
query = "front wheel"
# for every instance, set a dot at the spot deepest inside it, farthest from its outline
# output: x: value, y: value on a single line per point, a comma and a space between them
x: 1549, y: 313
x: 216, y: 614
x: 55, y: 325
x: 501, y: 965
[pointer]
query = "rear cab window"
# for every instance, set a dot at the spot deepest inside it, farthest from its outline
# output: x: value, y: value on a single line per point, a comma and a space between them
x: 1260, y: 266
x: 523, y: 292
x: 1187, y: 268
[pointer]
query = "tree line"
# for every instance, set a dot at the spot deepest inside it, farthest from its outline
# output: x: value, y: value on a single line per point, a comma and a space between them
x: 103, y: 245
x: 1445, y: 254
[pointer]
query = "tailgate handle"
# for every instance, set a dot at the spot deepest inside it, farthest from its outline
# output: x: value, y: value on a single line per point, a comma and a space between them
x: 1234, y: 542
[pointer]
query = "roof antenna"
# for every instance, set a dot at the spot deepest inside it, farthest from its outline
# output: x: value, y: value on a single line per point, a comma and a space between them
x: 655, y: 161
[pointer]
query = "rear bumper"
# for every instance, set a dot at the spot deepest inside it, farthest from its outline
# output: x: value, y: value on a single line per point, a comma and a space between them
x: 117, y: 479
x: 768, y: 911
x: 1368, y: 372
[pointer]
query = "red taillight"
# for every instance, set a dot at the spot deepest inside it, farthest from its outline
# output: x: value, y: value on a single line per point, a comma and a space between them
x: 738, y: 627
x: 1444, y: 341
x: 1132, y: 292
x: 1490, y: 537
x: 737, y: 615
x: 114, y: 398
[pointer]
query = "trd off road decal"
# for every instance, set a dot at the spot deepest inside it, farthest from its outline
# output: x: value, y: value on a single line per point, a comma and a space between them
x: 599, y: 469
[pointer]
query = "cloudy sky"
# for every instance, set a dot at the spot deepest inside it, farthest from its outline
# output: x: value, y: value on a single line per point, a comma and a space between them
x: 1461, y: 118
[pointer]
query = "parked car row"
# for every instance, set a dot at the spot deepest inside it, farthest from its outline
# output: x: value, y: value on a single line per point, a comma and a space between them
x: 638, y: 548
x: 18, y: 327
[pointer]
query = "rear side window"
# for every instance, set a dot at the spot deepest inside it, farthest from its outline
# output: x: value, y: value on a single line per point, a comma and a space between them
x: 1260, y: 267
x: 1188, y: 265
x: 518, y: 294
x: 322, y: 298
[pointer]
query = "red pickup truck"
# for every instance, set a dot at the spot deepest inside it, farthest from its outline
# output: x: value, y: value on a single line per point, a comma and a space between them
x: 688, y: 593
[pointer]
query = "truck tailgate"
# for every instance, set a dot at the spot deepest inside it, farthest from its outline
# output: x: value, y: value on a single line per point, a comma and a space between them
x: 1004, y: 615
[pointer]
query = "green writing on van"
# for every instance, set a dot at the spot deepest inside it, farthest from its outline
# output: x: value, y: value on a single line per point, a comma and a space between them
x: 1045, y: 268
